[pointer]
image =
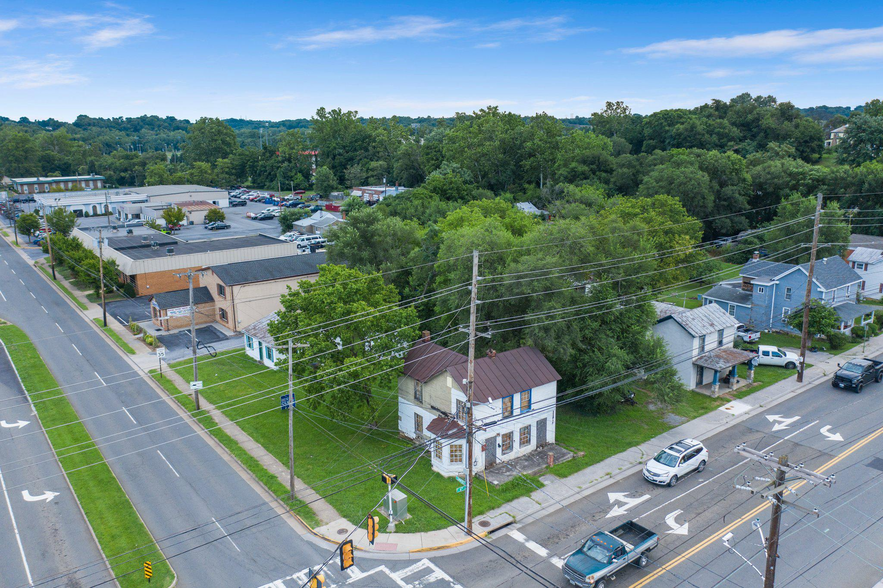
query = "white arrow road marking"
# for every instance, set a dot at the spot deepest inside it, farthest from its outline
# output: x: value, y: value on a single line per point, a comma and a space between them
x: 676, y: 529
x: 18, y: 424
x: 627, y: 503
x: 826, y: 431
x: 781, y: 422
x: 537, y: 548
x: 47, y: 496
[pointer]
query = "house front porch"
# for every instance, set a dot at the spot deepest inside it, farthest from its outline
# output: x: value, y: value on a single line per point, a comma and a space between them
x: 721, y: 362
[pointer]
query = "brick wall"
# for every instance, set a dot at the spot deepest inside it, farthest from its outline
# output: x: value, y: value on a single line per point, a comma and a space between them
x: 165, y: 281
x: 205, y: 313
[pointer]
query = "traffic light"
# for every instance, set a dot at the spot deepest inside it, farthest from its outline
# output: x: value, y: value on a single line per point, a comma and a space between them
x: 317, y: 581
x: 372, y: 529
x: 347, y: 557
x: 388, y: 478
x: 148, y: 571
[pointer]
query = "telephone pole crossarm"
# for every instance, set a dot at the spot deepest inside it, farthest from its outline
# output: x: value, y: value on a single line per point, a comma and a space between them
x: 797, y: 470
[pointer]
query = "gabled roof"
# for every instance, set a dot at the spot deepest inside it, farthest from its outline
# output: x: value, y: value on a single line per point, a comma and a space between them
x: 866, y: 255
x: 757, y: 268
x: 728, y: 294
x: 832, y: 272
x: 507, y: 373
x: 179, y: 298
x: 260, y: 330
x: 704, y: 320
x: 446, y: 428
x: 262, y: 270
x: 723, y: 357
x: 664, y: 309
x: 869, y: 241
x: 426, y: 359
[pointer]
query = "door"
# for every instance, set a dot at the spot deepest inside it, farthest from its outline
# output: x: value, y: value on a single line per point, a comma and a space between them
x: 490, y: 451
x: 700, y: 375
x: 260, y: 351
x: 541, y: 432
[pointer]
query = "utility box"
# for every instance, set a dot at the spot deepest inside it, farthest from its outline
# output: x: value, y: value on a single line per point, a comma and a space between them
x: 399, y: 503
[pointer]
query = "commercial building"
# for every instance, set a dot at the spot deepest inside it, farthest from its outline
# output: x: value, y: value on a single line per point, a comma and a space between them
x: 318, y: 223
x: 195, y: 211
x: 93, y: 203
x: 134, y: 203
x: 376, y: 193
x: 171, y: 310
x: 40, y: 185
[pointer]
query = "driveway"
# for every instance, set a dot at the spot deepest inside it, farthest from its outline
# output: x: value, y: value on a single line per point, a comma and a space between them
x: 178, y: 344
x: 133, y: 309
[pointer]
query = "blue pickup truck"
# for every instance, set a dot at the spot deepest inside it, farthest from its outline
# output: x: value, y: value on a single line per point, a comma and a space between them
x: 605, y: 553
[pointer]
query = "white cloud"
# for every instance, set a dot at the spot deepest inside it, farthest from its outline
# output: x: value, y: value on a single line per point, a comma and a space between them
x: 759, y: 44
x: 8, y: 24
x: 402, y: 27
x: 725, y: 72
x: 32, y: 73
x: 553, y: 28
x: 853, y: 52
x: 115, y: 33
x: 488, y: 45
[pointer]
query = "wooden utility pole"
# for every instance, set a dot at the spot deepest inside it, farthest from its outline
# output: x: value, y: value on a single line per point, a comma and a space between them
x: 49, y: 241
x: 772, y: 552
x: 807, y: 297
x: 290, y: 423
x: 470, y: 382
x: 101, y: 275
x: 189, y: 275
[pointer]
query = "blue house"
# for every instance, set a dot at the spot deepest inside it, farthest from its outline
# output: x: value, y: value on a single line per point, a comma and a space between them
x: 767, y: 292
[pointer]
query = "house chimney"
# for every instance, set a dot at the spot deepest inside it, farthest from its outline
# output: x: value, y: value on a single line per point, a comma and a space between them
x: 755, y: 256
x: 426, y: 336
x: 491, y: 353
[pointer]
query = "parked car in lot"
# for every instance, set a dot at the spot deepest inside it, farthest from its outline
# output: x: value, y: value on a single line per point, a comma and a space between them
x: 292, y: 203
x: 855, y: 374
x: 135, y: 222
x: 772, y: 355
x: 603, y: 554
x: 217, y: 226
x: 235, y: 203
x: 747, y: 335
x: 675, y: 461
x: 316, y: 208
x: 299, y: 192
x: 272, y: 201
x: 262, y: 216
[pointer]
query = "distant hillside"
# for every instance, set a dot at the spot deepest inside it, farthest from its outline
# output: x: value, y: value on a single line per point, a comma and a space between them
x: 825, y: 113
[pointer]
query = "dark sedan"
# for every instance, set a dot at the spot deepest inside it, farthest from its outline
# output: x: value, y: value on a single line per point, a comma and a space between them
x: 217, y: 226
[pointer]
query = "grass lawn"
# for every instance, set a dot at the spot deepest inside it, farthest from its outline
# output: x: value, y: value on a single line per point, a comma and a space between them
x: 62, y: 287
x: 328, y: 446
x: 117, y: 339
x: 117, y: 525
x: 686, y: 295
x: 793, y: 341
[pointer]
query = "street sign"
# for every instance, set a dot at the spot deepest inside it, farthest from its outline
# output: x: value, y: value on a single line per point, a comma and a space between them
x: 161, y: 352
x: 283, y: 401
x: 461, y: 480
x: 196, y: 385
x: 461, y: 489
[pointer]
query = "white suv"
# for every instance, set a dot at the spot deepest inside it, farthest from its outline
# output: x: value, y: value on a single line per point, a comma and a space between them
x: 675, y: 461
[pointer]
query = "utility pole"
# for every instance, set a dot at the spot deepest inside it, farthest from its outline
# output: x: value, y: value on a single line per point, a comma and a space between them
x: 49, y: 241
x: 470, y: 384
x: 807, y: 297
x: 101, y: 275
x: 190, y: 274
x: 290, y: 423
x: 774, y: 491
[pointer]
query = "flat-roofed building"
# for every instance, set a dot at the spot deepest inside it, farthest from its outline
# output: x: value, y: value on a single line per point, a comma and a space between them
x: 42, y: 185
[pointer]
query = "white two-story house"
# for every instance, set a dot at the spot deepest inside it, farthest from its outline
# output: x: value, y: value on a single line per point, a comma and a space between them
x: 868, y: 264
x: 514, y: 404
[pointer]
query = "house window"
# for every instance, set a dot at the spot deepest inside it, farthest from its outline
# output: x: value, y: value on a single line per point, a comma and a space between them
x: 731, y: 309
x: 456, y: 453
x: 271, y: 355
x: 437, y: 449
x: 418, y: 424
x: 461, y: 410
x: 760, y: 289
x: 786, y: 312
x: 507, y: 406
x: 524, y: 436
x: 506, y: 440
x: 720, y: 338
x: 222, y: 290
x: 418, y: 391
x: 848, y: 289
x: 249, y: 342
x: 701, y: 343
x: 525, y: 401
x: 860, y: 266
x: 863, y: 286
x: 222, y: 314
x: 787, y: 293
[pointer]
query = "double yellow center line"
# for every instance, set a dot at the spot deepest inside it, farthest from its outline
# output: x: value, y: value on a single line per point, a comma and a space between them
x: 749, y: 516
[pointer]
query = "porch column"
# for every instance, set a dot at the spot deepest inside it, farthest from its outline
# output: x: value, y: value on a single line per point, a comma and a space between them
x: 733, y: 378
x: 715, y: 382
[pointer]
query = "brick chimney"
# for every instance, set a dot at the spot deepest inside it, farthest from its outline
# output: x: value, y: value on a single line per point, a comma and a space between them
x: 426, y: 336
x: 491, y: 353
x: 755, y: 256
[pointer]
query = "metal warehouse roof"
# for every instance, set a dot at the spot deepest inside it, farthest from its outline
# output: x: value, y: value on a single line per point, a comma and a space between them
x: 133, y: 248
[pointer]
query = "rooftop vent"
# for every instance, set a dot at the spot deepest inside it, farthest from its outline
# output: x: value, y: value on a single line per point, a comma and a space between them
x: 170, y: 250
x: 145, y: 238
x: 154, y: 245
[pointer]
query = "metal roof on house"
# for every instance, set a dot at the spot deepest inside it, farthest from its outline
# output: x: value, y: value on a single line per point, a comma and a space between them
x: 425, y: 359
x: 723, y: 358
x: 262, y: 270
x: 260, y: 330
x: 849, y: 311
x: 507, y: 373
x: 664, y: 309
x: 728, y: 294
x: 866, y: 255
x: 446, y: 428
x: 703, y: 320
x: 528, y: 208
x: 179, y: 298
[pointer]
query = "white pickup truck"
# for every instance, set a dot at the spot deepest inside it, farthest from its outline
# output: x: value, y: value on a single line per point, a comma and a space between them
x: 772, y: 355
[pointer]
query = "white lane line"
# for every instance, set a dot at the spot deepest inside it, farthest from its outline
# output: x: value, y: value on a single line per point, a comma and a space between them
x: 6, y: 262
x: 1, y: 295
x: 44, y: 309
x: 99, y: 378
x: 21, y: 549
x: 136, y: 422
x: 535, y: 547
x: 740, y: 464
x: 59, y: 327
x: 165, y: 460
x: 226, y: 535
x: 32, y: 295
x: 75, y: 347
x: 12, y: 270
x: 22, y: 281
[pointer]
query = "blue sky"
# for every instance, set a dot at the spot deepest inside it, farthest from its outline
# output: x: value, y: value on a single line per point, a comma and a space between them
x: 273, y: 60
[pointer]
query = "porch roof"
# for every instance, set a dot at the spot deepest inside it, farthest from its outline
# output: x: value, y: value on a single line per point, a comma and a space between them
x: 723, y: 358
x: 447, y: 428
x: 849, y: 311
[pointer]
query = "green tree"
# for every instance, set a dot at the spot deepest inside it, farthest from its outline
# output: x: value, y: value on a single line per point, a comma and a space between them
x: 863, y: 140
x: 341, y: 139
x: 28, y: 223
x: 325, y: 182
x: 685, y: 181
x: 208, y: 140
x: 612, y: 121
x: 62, y: 221
x: 873, y: 107
x: 541, y: 140
x: 173, y: 216
x: 291, y: 215
x: 215, y: 215
x: 355, y: 175
x: 201, y: 174
x: 822, y: 319
x: 18, y: 154
x: 157, y: 175
x: 352, y: 204
x: 341, y: 368
x: 834, y: 229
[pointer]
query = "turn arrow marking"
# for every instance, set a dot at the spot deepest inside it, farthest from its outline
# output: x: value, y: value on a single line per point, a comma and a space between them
x: 676, y: 529
x: 781, y: 422
x: 826, y: 431
x: 18, y: 424
x: 47, y: 496
x: 627, y: 503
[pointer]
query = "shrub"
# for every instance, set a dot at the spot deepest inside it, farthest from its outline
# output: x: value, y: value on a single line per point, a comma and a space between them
x: 859, y: 332
x: 878, y: 319
x: 837, y: 340
x: 135, y: 327
x: 129, y: 290
x: 149, y: 339
x: 872, y: 330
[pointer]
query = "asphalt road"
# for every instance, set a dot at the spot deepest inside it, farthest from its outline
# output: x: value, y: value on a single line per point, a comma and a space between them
x: 843, y: 547
x: 42, y: 529
x: 179, y: 484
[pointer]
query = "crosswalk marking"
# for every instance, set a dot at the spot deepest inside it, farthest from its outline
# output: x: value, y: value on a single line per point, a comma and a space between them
x: 422, y: 574
x: 537, y: 548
